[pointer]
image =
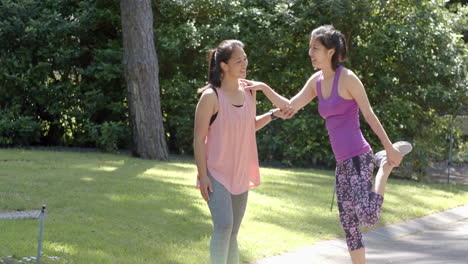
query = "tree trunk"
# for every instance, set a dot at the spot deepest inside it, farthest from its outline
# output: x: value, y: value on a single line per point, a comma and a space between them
x: 141, y: 75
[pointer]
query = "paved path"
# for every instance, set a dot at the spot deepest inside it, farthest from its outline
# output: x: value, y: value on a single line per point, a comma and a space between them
x: 440, y: 238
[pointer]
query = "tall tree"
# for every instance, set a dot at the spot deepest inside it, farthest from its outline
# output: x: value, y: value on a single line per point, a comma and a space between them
x: 141, y: 75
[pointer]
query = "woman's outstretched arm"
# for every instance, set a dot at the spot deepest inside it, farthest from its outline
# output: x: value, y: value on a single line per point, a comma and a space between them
x: 276, y: 99
x: 289, y: 106
x: 306, y: 95
x: 355, y: 88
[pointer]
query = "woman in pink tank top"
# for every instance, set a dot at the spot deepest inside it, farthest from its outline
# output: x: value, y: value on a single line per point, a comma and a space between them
x: 341, y: 96
x: 225, y: 146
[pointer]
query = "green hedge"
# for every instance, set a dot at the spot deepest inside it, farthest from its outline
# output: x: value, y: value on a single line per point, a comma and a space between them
x: 61, y: 70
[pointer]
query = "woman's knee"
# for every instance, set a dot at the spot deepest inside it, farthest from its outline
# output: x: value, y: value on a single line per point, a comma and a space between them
x: 368, y: 222
x: 368, y: 218
x: 223, y: 228
x: 234, y: 232
x: 369, y: 214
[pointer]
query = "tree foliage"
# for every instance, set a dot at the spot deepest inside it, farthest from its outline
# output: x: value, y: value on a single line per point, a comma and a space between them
x: 61, y: 68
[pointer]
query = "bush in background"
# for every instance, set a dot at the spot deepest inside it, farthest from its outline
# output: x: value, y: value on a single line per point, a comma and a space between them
x: 61, y: 69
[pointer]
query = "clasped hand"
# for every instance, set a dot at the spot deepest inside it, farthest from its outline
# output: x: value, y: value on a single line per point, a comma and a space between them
x: 286, y: 112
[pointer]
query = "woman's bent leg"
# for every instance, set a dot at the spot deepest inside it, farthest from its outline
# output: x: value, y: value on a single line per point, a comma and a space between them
x: 385, y: 169
x: 367, y: 203
x: 381, y: 179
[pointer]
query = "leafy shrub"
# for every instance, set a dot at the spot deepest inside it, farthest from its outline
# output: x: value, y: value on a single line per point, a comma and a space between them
x: 109, y: 136
x: 18, y: 130
x: 62, y: 64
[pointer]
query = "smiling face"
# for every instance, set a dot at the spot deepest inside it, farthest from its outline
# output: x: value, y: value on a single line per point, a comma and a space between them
x: 236, y: 66
x: 319, y: 54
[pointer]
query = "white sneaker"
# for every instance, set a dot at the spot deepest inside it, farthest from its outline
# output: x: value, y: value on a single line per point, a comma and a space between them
x: 402, y: 146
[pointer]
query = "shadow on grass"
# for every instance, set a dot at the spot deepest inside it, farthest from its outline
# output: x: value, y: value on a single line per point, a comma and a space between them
x: 155, y: 208
x: 116, y: 210
x: 297, y: 202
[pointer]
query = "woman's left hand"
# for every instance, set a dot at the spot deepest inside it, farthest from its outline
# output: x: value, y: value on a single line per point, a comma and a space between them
x: 394, y: 157
x: 253, y: 85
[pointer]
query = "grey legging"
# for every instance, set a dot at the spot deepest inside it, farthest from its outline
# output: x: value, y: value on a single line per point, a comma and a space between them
x: 227, y: 211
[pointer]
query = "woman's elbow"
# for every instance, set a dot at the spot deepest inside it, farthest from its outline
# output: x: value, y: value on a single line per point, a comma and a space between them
x: 369, y: 115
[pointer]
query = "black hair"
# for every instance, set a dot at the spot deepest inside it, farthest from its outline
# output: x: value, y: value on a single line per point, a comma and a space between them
x: 331, y: 39
x: 222, y: 53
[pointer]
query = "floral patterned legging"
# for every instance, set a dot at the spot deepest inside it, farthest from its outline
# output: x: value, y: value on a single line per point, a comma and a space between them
x: 356, y: 203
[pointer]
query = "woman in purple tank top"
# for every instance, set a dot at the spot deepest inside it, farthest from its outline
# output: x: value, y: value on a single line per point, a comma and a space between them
x: 341, y: 96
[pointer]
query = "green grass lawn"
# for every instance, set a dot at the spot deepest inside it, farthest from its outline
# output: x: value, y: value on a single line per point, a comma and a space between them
x: 105, y: 208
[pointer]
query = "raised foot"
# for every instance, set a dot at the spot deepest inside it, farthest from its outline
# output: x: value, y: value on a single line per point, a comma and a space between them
x: 403, y: 147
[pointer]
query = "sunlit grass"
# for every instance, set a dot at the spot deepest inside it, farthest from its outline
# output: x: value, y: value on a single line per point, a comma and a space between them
x: 106, y: 208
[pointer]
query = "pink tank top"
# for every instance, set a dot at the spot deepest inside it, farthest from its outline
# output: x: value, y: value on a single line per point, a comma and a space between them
x: 231, y: 146
x: 342, y: 120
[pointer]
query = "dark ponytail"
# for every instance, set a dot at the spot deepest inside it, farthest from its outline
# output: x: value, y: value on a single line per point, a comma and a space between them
x: 331, y: 39
x: 222, y: 53
x: 214, y: 68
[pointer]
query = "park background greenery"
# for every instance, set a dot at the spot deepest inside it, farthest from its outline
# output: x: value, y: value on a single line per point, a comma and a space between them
x: 115, y: 209
x: 62, y: 82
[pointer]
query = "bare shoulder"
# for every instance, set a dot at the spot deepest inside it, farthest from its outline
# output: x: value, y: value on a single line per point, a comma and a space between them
x: 208, y: 95
x: 311, y: 82
x: 350, y: 78
x: 209, y: 100
x: 314, y: 77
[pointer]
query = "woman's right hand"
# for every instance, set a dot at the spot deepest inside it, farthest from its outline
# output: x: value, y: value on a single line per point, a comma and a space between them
x: 284, y: 113
x: 205, y: 187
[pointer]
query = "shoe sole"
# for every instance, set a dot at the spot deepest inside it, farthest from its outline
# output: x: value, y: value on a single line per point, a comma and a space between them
x: 403, y: 147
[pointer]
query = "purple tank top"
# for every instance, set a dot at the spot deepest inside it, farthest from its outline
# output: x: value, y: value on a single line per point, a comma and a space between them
x: 342, y: 119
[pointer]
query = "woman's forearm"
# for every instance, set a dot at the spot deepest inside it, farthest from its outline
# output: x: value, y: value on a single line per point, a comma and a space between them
x: 298, y: 102
x: 262, y: 120
x: 278, y: 100
x: 378, y: 129
x: 200, y: 157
